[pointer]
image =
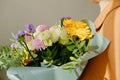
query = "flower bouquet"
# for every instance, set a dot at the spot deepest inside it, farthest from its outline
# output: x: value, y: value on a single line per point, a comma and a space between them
x: 58, y: 52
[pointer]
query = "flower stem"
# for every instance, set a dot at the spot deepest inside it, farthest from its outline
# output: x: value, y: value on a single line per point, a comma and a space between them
x: 30, y: 53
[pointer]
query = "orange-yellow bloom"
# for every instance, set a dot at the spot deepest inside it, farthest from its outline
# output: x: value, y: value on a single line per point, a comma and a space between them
x: 77, y: 28
x: 68, y: 22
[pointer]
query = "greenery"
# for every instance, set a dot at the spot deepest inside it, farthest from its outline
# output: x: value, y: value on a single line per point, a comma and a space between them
x: 5, y: 56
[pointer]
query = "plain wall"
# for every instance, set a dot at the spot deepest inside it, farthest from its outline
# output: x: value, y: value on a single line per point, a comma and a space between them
x: 14, y: 14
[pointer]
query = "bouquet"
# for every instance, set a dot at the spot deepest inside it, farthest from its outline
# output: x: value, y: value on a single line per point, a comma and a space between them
x: 68, y: 45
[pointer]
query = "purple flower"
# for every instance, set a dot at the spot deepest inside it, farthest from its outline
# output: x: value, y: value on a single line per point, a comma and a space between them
x: 14, y: 45
x: 42, y: 28
x: 20, y: 35
x: 38, y: 44
x: 65, y: 17
x: 30, y: 28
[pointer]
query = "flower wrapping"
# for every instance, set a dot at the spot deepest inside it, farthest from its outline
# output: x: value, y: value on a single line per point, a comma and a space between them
x: 43, y: 73
x: 78, y: 40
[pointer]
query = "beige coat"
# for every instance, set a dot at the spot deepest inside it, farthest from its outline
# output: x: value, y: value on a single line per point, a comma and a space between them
x: 106, y: 66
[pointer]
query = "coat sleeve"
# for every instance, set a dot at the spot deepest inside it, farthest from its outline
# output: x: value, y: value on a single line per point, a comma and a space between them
x: 114, y: 49
x: 106, y: 66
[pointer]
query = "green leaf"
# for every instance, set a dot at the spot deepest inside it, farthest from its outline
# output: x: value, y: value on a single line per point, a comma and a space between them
x: 54, y: 51
x: 71, y: 47
x: 69, y: 43
x: 75, y: 51
x: 13, y: 35
x: 72, y: 58
x: 82, y: 44
x: 49, y: 52
x: 5, y: 56
x: 12, y: 40
x: 77, y: 55
x: 57, y: 62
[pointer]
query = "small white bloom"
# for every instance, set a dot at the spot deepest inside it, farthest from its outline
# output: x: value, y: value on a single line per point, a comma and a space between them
x: 55, y: 33
x: 48, y: 42
x: 36, y: 34
x: 42, y: 35
x: 63, y: 36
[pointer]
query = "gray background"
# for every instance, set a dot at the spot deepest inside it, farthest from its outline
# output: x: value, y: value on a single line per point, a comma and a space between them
x: 14, y: 14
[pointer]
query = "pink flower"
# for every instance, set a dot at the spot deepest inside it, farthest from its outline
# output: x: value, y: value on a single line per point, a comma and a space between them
x: 42, y: 28
x: 28, y: 38
x: 38, y: 44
